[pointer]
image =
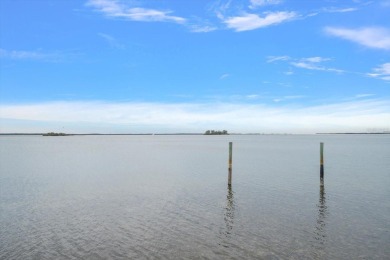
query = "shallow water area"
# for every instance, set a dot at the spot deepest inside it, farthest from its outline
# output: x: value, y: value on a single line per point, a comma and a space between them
x: 156, y: 197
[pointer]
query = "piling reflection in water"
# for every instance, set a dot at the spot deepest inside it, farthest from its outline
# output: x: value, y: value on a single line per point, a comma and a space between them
x: 229, y: 211
x: 320, y: 235
x: 228, y: 217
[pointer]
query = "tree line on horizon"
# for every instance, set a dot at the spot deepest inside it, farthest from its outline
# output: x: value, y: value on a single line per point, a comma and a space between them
x: 54, y: 134
x: 216, y: 132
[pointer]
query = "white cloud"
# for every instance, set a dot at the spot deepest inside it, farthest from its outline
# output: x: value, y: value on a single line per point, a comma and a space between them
x: 248, y: 21
x: 113, y: 8
x: 384, y: 69
x: 372, y: 37
x: 381, y: 72
x: 355, y: 116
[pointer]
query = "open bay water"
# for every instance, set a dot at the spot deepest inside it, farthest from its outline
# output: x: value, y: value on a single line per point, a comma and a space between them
x: 166, y: 197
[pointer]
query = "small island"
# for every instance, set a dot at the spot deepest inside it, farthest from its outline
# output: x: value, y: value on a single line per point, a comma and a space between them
x: 213, y: 132
x: 55, y: 134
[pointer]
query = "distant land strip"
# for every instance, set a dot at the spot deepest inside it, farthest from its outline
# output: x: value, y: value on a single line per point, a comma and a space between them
x: 380, y: 133
x: 90, y: 134
x: 45, y: 134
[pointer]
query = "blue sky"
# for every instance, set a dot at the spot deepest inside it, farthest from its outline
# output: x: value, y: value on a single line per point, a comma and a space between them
x: 251, y: 66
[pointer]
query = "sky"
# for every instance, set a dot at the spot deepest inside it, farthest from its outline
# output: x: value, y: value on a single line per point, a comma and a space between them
x: 169, y: 66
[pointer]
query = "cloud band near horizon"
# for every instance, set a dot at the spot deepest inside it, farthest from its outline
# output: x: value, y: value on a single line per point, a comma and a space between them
x: 91, y: 116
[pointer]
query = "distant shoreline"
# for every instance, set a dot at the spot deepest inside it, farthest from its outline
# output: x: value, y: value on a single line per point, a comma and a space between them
x: 45, y: 134
x: 352, y: 133
x: 98, y: 134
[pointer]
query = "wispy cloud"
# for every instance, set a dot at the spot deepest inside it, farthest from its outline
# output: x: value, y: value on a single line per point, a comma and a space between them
x: 202, y: 28
x: 124, y: 10
x: 310, y: 63
x: 364, y: 95
x: 381, y: 72
x: 288, y: 98
x: 252, y: 96
x: 21, y: 54
x: 372, y: 37
x: 113, y: 42
x: 116, y: 9
x: 271, y: 59
x: 339, y: 10
x: 249, y: 21
x: 354, y: 115
x: 315, y: 59
x: 385, y: 3
x: 224, y: 76
x: 33, y: 55
x: 258, y: 3
x: 314, y: 66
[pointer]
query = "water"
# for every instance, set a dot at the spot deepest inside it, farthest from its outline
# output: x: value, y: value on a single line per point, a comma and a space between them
x: 166, y: 197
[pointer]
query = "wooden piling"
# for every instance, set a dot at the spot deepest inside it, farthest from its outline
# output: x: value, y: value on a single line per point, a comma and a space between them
x: 322, y: 162
x: 230, y: 163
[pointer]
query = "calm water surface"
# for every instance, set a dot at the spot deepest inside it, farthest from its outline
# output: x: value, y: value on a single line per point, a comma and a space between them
x: 156, y: 197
